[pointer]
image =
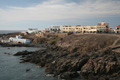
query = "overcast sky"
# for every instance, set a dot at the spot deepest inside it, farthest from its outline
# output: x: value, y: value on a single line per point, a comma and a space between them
x: 23, y: 14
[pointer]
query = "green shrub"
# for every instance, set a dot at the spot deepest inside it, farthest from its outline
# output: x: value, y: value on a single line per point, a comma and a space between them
x: 53, y: 40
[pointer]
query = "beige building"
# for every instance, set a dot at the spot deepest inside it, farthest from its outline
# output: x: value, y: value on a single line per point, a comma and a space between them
x: 68, y: 28
x: 89, y: 29
x: 117, y: 29
x: 79, y: 29
x: 102, y: 27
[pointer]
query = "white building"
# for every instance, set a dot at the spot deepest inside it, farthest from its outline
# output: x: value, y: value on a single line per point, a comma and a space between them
x: 18, y: 39
x: 32, y: 30
x: 5, y: 41
x: 54, y: 29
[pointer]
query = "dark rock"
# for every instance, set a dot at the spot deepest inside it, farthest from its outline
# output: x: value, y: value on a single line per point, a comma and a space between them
x: 27, y: 70
x: 16, y: 45
x: 69, y: 75
x: 106, y: 64
x: 23, y: 53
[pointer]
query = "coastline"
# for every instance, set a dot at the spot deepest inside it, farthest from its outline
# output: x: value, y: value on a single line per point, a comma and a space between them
x: 70, y: 59
x: 21, y: 45
x: 11, y: 69
x: 70, y: 66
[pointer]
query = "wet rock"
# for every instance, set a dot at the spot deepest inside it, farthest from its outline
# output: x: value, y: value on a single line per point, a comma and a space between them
x: 16, y: 45
x: 27, y: 70
x: 23, y: 53
x: 69, y: 75
x: 5, y: 53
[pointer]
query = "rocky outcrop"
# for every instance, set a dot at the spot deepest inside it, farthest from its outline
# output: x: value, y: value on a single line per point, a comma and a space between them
x: 16, y: 45
x: 74, y: 56
x: 22, y: 53
x: 105, y: 64
x: 69, y: 75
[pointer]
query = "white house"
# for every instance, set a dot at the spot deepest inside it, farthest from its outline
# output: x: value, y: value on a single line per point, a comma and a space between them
x: 5, y: 41
x: 32, y: 30
x: 18, y: 39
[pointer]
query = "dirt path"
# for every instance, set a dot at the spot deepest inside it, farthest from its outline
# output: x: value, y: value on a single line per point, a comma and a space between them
x: 115, y: 42
x: 114, y: 46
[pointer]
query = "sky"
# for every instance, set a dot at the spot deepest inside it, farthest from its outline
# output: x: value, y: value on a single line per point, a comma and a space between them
x: 24, y: 14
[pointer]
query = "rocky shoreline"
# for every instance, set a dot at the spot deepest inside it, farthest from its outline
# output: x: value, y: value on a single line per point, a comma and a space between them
x: 21, y: 45
x: 16, y: 45
x: 88, y: 56
x: 101, y: 65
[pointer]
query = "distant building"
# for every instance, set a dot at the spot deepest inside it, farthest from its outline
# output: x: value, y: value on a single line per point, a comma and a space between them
x: 68, y: 28
x: 54, y: 29
x: 46, y: 30
x: 89, y: 29
x: 79, y: 29
x: 117, y: 29
x: 5, y: 41
x: 31, y: 30
x: 103, y: 27
x: 24, y: 33
x: 18, y: 39
x: 112, y: 30
x: 41, y: 34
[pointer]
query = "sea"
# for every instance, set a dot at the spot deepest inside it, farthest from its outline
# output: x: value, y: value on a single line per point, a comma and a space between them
x: 10, y: 31
x: 11, y: 69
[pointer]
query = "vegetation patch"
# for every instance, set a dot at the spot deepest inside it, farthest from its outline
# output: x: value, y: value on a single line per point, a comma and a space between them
x: 53, y: 40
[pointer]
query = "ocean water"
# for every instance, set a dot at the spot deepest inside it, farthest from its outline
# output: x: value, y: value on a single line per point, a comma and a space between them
x: 11, y: 69
x: 9, y: 31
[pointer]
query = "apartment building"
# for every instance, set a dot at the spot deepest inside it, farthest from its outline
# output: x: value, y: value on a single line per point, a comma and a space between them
x: 79, y: 29
x: 68, y: 28
x: 32, y: 30
x: 101, y: 27
x: 89, y: 29
x: 117, y: 29
x: 53, y: 29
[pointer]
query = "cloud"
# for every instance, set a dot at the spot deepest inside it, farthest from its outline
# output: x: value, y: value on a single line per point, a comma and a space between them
x: 61, y: 10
